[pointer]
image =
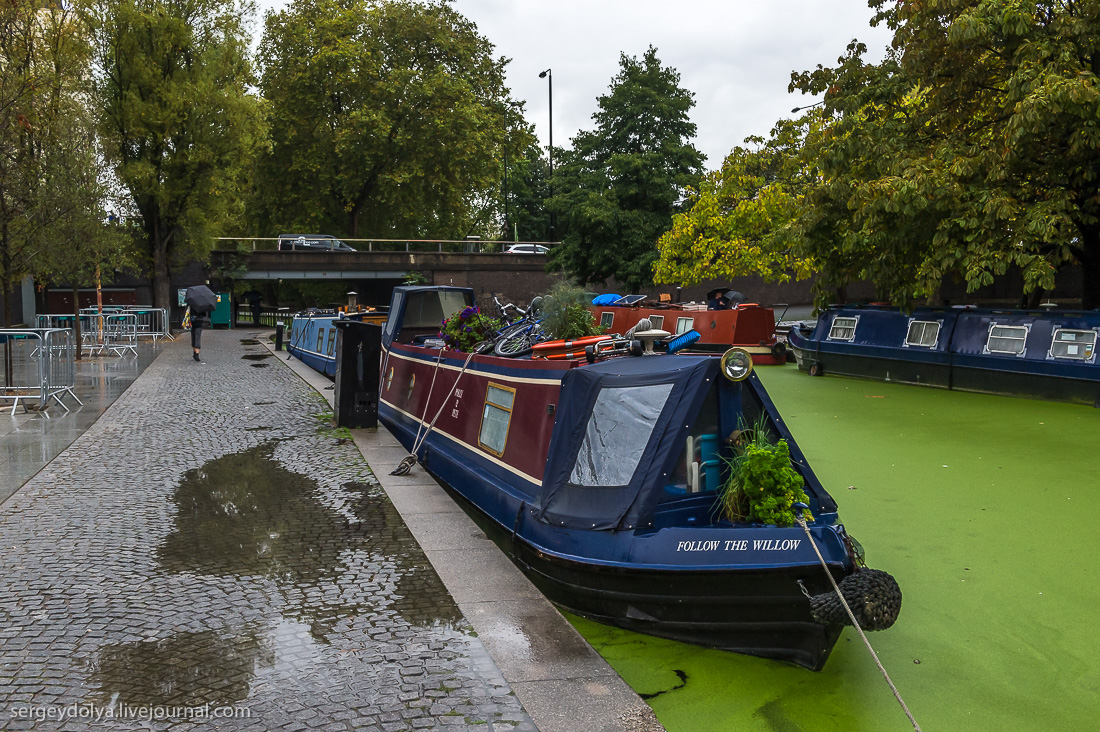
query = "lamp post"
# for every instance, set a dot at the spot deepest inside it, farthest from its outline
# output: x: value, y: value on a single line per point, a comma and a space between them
x: 808, y: 106
x: 550, y: 88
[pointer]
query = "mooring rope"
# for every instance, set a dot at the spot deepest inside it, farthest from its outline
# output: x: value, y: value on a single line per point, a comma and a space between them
x: 897, y: 695
x: 410, y: 460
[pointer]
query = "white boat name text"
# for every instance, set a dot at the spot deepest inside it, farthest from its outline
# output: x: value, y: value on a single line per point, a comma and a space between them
x: 738, y: 545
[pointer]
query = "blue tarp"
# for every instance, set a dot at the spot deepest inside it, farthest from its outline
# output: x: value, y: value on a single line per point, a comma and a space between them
x: 605, y: 299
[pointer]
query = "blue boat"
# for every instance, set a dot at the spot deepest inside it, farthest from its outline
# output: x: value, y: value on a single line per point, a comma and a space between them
x: 601, y: 481
x: 1048, y: 354
x: 312, y: 336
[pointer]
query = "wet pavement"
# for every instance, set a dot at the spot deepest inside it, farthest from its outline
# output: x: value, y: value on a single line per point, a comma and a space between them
x: 212, y: 554
x: 28, y: 441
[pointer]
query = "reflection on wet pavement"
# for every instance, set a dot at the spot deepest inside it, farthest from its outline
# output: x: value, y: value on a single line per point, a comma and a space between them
x: 218, y: 669
x: 30, y: 440
x: 246, y: 515
x: 208, y: 541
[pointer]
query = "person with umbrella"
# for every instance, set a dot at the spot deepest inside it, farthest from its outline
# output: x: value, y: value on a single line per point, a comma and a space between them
x: 201, y: 301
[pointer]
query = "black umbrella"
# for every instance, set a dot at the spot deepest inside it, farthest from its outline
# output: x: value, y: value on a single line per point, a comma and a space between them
x: 201, y: 299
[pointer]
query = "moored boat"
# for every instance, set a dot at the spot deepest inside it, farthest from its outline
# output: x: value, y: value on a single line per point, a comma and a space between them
x: 749, y: 326
x: 1048, y: 354
x: 312, y: 336
x: 601, y: 481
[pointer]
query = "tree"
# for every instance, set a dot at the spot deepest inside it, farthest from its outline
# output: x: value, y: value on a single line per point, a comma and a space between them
x: 178, y: 121
x: 388, y: 118
x: 972, y: 148
x: 617, y: 189
x: 528, y: 192
x: 738, y: 221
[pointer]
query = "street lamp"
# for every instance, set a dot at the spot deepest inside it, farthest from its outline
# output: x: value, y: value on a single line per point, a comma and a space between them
x: 550, y: 87
x: 808, y: 106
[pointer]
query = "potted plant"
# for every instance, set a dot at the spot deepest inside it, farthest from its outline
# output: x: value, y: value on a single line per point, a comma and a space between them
x: 762, y: 486
x: 467, y: 328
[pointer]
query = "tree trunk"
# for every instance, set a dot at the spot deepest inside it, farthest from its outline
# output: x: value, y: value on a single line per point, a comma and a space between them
x: 161, y: 277
x: 76, y: 322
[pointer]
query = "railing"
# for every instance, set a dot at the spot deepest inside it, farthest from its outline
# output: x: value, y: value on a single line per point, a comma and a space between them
x: 454, y: 246
x: 269, y: 316
x: 38, y: 365
x: 147, y: 323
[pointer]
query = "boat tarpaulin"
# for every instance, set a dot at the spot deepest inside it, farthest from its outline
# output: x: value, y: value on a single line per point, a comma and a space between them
x: 620, y: 427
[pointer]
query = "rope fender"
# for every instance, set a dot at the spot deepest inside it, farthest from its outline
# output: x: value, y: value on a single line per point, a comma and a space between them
x: 873, y: 595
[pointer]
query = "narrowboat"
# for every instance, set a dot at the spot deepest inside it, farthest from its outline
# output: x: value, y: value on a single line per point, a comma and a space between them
x: 312, y: 336
x: 1044, y: 354
x: 600, y: 480
x: 746, y: 325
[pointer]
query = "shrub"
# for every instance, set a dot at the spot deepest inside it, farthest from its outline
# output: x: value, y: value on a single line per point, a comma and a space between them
x: 565, y: 313
x: 466, y: 328
x: 762, y: 484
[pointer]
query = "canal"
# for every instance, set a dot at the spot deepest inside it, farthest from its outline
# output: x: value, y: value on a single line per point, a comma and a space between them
x: 984, y: 509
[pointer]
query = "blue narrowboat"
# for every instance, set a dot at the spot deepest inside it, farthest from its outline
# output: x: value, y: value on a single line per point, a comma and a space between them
x: 600, y: 480
x: 312, y: 336
x: 1048, y: 354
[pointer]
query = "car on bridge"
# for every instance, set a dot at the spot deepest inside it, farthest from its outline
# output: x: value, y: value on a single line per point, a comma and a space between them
x: 312, y: 243
x: 526, y: 249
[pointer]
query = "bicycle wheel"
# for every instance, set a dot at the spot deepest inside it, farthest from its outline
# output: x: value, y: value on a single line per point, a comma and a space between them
x: 515, y: 340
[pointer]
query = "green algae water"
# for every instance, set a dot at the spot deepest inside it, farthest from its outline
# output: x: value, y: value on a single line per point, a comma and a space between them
x: 985, y: 510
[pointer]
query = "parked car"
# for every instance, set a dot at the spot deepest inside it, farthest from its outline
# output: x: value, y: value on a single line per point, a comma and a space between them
x: 312, y: 242
x: 526, y: 249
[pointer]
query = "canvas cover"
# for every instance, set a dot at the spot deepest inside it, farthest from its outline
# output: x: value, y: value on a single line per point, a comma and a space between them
x: 621, y: 425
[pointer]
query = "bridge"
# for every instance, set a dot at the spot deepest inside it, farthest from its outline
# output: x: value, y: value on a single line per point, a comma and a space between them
x: 519, y: 276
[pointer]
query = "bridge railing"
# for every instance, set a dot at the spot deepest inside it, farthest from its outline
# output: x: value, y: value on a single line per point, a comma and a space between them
x: 451, y: 246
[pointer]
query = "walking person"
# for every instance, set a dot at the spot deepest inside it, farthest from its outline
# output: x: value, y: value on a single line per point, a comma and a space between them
x: 201, y: 301
x: 198, y: 322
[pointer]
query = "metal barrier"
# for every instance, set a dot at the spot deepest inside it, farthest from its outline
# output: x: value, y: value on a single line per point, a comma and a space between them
x: 38, y: 365
x: 120, y: 332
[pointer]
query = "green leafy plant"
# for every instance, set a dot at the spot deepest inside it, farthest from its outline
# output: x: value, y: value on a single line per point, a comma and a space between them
x: 762, y: 485
x: 466, y: 328
x: 565, y: 313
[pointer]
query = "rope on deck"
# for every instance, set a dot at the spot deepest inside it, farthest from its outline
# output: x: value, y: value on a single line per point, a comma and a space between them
x: 851, y: 616
x: 409, y: 461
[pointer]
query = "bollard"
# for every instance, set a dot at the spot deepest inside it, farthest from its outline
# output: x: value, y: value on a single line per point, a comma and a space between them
x: 279, y: 336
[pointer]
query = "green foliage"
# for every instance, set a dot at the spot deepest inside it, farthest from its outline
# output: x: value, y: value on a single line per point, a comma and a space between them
x: 178, y: 122
x: 762, y: 485
x: 971, y: 148
x: 739, y: 218
x: 387, y: 119
x: 468, y: 327
x: 565, y: 313
x: 617, y: 189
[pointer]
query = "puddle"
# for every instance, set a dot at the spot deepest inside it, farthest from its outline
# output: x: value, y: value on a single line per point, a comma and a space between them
x: 245, y: 515
x: 260, y: 404
x: 256, y: 356
x: 249, y: 342
x: 188, y: 669
x: 259, y: 365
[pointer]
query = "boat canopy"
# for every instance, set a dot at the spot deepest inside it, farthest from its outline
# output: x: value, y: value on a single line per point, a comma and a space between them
x: 423, y: 307
x: 620, y: 428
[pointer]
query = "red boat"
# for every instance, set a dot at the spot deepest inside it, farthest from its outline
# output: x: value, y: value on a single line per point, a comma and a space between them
x: 746, y: 325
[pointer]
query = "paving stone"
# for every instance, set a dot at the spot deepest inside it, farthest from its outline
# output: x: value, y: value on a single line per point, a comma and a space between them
x: 212, y: 541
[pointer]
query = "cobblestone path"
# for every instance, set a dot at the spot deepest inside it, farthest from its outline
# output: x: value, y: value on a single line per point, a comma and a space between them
x: 213, y: 547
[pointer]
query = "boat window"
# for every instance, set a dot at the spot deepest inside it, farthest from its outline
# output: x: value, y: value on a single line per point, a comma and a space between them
x: 617, y: 433
x: 683, y: 325
x: 331, y: 341
x: 607, y: 319
x: 1073, y: 344
x: 1006, y: 339
x: 658, y: 321
x: 495, y: 418
x: 320, y: 339
x: 843, y: 329
x: 923, y: 333
x: 429, y: 309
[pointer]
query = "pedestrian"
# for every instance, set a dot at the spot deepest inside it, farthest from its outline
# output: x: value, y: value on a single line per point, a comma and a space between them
x: 198, y: 322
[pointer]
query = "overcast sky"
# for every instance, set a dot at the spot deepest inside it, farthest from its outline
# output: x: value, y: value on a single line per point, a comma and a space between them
x: 736, y: 56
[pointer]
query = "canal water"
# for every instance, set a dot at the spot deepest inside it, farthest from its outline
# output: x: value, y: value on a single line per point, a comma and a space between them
x: 985, y: 509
